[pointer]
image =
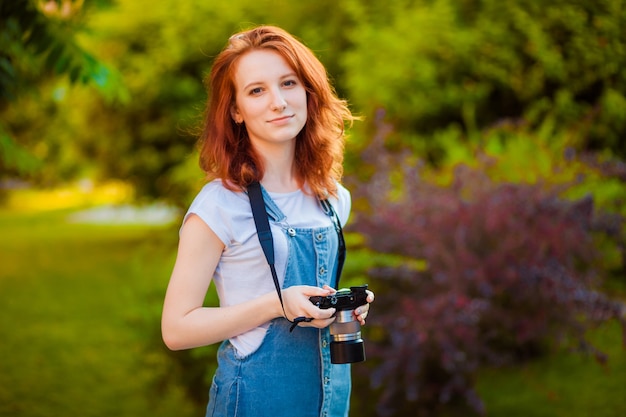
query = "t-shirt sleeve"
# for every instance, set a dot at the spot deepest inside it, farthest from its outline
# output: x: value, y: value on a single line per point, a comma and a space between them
x: 209, y: 205
x: 342, y: 204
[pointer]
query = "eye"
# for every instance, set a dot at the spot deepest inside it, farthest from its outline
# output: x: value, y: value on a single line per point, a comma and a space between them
x: 290, y: 83
x: 256, y: 91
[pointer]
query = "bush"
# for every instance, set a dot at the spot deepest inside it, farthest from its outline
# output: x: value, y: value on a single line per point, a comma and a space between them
x: 470, y: 64
x: 491, y: 274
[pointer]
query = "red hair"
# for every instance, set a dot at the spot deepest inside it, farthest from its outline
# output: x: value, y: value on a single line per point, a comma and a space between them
x: 226, y: 151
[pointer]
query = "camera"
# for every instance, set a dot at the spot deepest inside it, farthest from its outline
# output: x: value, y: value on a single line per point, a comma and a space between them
x: 346, y: 344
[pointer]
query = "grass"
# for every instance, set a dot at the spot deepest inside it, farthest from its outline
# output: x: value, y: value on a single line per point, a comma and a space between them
x: 79, y: 317
x: 80, y: 334
x: 563, y: 385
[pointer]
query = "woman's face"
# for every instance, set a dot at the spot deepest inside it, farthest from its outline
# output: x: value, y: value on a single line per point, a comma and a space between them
x: 270, y: 99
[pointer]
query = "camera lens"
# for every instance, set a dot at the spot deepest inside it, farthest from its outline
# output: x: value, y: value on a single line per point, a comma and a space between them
x: 347, y: 352
x: 347, y: 345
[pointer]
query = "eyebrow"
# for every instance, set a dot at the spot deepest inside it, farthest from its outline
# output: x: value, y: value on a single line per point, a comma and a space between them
x: 282, y: 77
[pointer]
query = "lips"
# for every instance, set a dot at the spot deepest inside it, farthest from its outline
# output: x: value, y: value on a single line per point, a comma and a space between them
x: 280, y: 119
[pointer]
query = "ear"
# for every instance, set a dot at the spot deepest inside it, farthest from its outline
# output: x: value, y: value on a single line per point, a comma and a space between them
x: 234, y: 113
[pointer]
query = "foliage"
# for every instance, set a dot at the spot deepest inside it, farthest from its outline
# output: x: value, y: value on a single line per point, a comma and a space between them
x: 493, y: 273
x: 510, y: 153
x: 162, y: 51
x: 35, y: 44
x: 38, y: 41
x: 442, y: 65
x: 440, y: 69
x: 506, y: 88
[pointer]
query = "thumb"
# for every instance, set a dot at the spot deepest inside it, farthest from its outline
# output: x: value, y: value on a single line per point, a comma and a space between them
x: 331, y: 289
x: 322, y: 292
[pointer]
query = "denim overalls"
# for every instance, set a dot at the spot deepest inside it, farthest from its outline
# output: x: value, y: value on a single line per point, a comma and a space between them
x: 290, y: 374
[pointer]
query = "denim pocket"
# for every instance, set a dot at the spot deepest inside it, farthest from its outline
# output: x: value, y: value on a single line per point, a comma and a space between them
x: 213, y: 391
x: 224, y: 400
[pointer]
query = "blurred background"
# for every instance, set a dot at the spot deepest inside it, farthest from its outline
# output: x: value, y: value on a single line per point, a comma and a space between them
x: 487, y: 174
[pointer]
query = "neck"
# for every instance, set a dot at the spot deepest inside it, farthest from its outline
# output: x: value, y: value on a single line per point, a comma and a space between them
x: 280, y: 174
x: 280, y: 181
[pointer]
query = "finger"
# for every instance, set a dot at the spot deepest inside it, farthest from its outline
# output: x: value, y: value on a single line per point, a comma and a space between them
x: 321, y: 323
x: 324, y: 313
x: 324, y: 322
x: 324, y: 291
x: 361, y: 313
x: 297, y: 301
x: 362, y: 309
x: 313, y: 311
x: 331, y: 289
x: 362, y: 318
x: 370, y: 296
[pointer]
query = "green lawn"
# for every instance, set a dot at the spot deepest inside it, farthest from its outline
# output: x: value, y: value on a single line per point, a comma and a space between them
x: 79, y: 319
x: 80, y: 334
x: 565, y: 385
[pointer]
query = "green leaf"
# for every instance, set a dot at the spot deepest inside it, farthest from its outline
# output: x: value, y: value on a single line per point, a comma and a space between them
x: 13, y: 156
x: 54, y: 55
x: 6, y: 67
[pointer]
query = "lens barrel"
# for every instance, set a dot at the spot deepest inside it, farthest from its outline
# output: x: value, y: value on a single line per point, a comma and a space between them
x: 347, y: 352
x: 347, y: 345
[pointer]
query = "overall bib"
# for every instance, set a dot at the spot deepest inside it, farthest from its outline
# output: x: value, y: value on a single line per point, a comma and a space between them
x: 290, y: 374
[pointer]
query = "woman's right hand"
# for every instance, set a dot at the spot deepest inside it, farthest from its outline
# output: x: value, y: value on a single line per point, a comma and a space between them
x: 297, y: 304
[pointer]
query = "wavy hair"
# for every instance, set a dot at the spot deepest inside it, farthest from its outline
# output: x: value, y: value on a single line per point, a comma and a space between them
x: 225, y: 149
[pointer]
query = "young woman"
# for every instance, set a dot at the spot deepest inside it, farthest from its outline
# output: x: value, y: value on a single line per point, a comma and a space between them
x: 272, y: 117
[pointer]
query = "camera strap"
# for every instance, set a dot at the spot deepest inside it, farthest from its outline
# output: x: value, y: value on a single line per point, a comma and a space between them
x: 264, y: 233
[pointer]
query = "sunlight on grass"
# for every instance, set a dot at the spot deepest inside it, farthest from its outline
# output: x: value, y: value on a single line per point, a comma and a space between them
x: 81, y: 307
x: 81, y: 194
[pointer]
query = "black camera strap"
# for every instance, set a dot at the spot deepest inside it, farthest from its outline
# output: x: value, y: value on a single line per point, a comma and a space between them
x: 264, y: 233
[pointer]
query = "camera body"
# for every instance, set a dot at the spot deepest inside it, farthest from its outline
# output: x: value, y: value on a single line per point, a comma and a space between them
x: 344, y: 299
x: 346, y: 344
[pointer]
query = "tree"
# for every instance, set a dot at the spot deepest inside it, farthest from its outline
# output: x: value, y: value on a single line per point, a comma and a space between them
x: 39, y: 42
x: 458, y: 67
x: 163, y: 51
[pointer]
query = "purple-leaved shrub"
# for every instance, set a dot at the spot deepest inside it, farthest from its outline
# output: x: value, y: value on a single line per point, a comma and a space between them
x: 491, y: 274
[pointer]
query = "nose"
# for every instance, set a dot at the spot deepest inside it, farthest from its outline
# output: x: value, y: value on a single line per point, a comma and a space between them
x: 278, y: 101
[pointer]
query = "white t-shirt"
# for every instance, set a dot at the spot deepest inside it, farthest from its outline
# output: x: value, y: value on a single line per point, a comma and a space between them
x: 242, y: 272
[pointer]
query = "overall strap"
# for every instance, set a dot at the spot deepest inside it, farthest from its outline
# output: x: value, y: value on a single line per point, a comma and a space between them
x: 264, y: 233
x: 261, y: 221
x: 265, y: 238
x: 341, y: 255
